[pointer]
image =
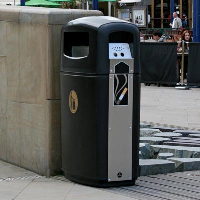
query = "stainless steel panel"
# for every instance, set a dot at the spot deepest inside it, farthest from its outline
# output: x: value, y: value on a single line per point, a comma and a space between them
x: 119, y: 51
x: 114, y: 62
x: 120, y: 135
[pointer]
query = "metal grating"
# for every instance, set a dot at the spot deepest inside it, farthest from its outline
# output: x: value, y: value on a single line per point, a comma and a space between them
x: 176, y: 186
x: 20, y: 178
x: 61, y: 178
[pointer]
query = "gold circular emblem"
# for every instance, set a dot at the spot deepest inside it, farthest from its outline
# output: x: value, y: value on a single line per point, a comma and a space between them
x: 73, y: 101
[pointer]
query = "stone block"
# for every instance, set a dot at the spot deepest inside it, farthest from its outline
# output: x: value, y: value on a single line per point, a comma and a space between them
x: 34, y: 138
x: 9, y: 13
x: 33, y: 63
x: 186, y: 141
x: 178, y: 151
x: 3, y: 86
x: 144, y: 125
x: 54, y: 131
x: 166, y: 129
x: 155, y: 166
x: 194, y: 135
x: 167, y: 134
x: 2, y: 38
x: 185, y: 133
x: 140, y: 155
x: 164, y: 156
x: 181, y: 144
x: 12, y: 60
x: 53, y: 16
x: 13, y: 134
x: 186, y: 164
x: 145, y: 150
x: 196, y: 155
x: 54, y: 56
x: 3, y: 142
x: 147, y: 132
x: 153, y: 140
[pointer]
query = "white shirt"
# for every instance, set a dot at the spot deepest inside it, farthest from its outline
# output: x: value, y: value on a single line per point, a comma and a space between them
x: 177, y: 23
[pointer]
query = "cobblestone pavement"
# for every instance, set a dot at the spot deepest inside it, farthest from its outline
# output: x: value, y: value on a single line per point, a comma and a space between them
x: 170, y: 107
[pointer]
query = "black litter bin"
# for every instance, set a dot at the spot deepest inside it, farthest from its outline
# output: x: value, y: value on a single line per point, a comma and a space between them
x: 100, y: 101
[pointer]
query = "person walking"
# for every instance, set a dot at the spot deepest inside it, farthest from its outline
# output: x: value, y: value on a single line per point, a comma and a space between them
x: 177, y: 23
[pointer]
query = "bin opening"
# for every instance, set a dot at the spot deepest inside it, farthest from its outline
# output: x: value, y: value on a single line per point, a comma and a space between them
x: 122, y: 37
x: 76, y: 44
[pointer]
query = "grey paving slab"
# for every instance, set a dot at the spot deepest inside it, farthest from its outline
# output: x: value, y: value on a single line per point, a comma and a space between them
x: 11, y: 189
x: 8, y: 170
x: 94, y: 194
x: 44, y: 188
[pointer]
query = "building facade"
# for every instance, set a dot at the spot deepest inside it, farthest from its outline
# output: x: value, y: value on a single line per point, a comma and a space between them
x: 157, y: 11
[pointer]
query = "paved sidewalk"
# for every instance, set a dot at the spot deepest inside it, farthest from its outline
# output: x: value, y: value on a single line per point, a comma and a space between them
x: 171, y: 107
x: 19, y: 184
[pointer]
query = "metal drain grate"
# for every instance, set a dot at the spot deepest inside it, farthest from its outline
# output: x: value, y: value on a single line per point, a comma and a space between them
x: 61, y: 178
x: 177, y: 186
x: 20, y: 178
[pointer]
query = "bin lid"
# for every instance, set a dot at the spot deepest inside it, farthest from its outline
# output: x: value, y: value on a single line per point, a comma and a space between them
x: 96, y: 21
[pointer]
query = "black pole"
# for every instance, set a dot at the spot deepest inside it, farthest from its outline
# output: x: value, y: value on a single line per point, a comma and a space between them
x: 194, y: 20
x: 22, y: 2
x: 198, y: 21
x: 95, y: 4
x: 172, y: 10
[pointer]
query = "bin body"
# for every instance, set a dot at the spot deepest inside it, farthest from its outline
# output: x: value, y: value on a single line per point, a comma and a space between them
x: 100, y: 101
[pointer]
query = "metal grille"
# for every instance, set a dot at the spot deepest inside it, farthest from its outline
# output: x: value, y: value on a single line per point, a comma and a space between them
x: 61, y: 178
x: 177, y: 186
x: 20, y: 178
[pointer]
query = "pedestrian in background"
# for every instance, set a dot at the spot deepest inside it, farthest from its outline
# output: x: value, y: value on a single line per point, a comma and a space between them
x: 184, y: 21
x: 177, y: 23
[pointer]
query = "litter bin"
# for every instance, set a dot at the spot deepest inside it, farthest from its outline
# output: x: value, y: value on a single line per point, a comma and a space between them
x: 100, y: 101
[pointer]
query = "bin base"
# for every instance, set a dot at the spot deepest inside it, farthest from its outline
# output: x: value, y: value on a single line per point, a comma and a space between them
x: 96, y: 182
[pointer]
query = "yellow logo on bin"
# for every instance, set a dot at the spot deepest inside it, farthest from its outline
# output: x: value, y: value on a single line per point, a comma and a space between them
x: 73, y: 101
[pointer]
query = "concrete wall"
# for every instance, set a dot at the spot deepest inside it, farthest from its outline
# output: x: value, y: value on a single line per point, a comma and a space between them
x: 29, y: 85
